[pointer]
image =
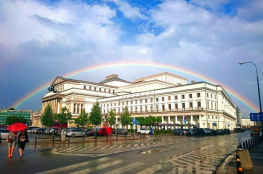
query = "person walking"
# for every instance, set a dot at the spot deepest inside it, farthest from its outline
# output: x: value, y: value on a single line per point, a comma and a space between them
x: 11, y: 141
x: 22, y: 140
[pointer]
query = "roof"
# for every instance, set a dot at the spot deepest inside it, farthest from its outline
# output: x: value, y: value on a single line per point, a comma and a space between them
x: 114, y: 79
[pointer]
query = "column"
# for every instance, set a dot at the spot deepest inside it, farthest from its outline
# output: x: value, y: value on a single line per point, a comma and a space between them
x: 175, y: 121
x: 168, y: 121
x: 191, y: 119
x: 200, y: 121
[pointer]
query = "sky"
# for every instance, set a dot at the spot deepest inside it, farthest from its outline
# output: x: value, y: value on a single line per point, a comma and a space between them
x: 43, y: 39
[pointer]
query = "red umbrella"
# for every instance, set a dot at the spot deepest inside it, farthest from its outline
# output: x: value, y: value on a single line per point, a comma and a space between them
x: 17, y: 127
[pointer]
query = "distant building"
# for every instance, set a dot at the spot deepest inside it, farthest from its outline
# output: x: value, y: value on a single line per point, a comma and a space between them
x: 239, y: 117
x: 4, y: 113
x: 36, y: 118
x: 164, y: 95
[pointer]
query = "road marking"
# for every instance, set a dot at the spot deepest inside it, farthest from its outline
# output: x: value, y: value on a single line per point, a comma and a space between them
x: 151, y: 169
x: 113, y: 146
x: 101, y: 166
x: 62, y: 169
x: 125, y: 168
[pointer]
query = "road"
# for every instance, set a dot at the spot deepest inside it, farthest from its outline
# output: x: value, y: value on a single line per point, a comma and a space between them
x: 156, y: 154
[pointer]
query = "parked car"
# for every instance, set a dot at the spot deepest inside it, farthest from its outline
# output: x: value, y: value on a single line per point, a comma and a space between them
x: 87, y: 132
x: 144, y: 131
x: 220, y: 131
x: 30, y: 128
x: 54, y: 131
x: 227, y: 131
x: 92, y: 132
x: 191, y: 132
x: 213, y: 132
x: 74, y: 132
x: 4, y: 133
x: 121, y: 131
x: 104, y: 131
x: 179, y: 131
x: 40, y: 130
x: 46, y: 131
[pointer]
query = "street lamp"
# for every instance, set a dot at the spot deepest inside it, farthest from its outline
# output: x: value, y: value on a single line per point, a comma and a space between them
x: 241, y: 63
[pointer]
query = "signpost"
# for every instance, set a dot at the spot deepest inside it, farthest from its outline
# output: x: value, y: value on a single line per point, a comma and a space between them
x: 256, y: 116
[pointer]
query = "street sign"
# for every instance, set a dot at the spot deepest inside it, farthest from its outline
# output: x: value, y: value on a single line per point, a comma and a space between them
x: 134, y: 121
x: 256, y: 116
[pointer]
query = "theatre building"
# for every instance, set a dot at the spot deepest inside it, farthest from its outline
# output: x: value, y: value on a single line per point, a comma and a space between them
x: 165, y: 95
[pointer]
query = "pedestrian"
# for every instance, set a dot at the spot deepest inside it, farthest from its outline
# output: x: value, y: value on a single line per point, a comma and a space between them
x: 22, y: 140
x: 11, y: 141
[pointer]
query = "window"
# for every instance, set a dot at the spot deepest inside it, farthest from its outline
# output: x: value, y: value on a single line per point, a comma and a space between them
x: 100, y: 89
x: 126, y: 102
x: 145, y: 100
x: 107, y: 105
x: 169, y: 97
x: 114, y: 104
x: 113, y: 91
x: 183, y: 106
x: 135, y: 101
x: 162, y: 98
x: 131, y: 102
x: 182, y: 96
x: 169, y: 107
x: 111, y: 104
x: 190, y: 96
x: 163, y: 107
x: 211, y: 95
x: 207, y: 95
x: 89, y: 87
x: 104, y: 90
x: 151, y: 99
x: 122, y: 103
x: 176, y: 106
x: 94, y: 88
x: 199, y: 104
x: 175, y: 97
x: 140, y: 101
x: 191, y: 104
x: 157, y: 99
x: 215, y: 96
x: 145, y: 108
x: 84, y: 87
x: 198, y: 95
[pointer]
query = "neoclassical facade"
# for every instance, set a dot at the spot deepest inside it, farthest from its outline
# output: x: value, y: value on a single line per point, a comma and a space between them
x: 165, y: 95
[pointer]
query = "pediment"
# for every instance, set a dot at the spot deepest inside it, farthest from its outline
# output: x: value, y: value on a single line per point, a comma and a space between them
x: 57, y: 80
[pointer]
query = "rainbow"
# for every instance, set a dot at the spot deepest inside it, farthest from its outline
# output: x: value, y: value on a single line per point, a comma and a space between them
x: 232, y: 92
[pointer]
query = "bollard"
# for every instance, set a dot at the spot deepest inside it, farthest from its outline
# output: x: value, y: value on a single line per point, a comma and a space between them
x: 53, y: 138
x: 0, y: 140
x: 35, y: 140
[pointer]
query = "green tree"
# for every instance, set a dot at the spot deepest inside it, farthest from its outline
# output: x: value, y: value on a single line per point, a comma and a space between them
x: 158, y: 120
x: 141, y: 121
x: 82, y: 120
x: 64, y: 116
x: 95, y: 114
x: 126, y: 117
x: 21, y: 119
x: 10, y: 120
x: 47, y: 118
x: 112, y: 117
x: 150, y: 121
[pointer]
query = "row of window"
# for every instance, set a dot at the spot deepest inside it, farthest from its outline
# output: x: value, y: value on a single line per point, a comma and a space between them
x: 77, y: 108
x: 99, y: 89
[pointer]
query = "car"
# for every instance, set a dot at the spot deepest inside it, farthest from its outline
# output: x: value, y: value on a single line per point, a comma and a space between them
x: 30, y: 128
x: 87, y: 132
x: 40, y: 130
x: 74, y: 132
x: 203, y: 131
x: 214, y: 132
x: 121, y: 131
x: 179, y: 131
x: 105, y: 131
x: 220, y: 131
x: 4, y: 133
x: 92, y: 132
x: 144, y: 131
x: 46, y: 131
x: 54, y: 131
x: 227, y: 131
x: 191, y: 132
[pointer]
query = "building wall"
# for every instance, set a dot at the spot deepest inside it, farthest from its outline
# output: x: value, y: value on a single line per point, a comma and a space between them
x: 4, y: 113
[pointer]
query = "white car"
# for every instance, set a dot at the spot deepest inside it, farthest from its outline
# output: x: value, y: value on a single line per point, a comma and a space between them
x: 144, y: 131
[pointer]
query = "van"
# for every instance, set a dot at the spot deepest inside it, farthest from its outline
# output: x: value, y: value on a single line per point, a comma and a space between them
x: 74, y: 132
x: 105, y: 131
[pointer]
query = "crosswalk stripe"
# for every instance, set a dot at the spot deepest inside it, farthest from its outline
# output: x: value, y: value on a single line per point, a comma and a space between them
x: 104, y: 147
x: 62, y: 169
x: 125, y: 168
x: 113, y: 146
x: 128, y: 145
x: 151, y: 169
x: 102, y: 166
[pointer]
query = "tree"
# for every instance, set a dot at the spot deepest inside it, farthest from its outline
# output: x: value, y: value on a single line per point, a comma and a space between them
x: 126, y: 117
x: 64, y: 116
x: 47, y: 118
x: 95, y: 114
x: 82, y: 120
x: 10, y: 120
x: 141, y: 121
x: 158, y: 120
x: 21, y: 119
x: 112, y: 117
x: 150, y: 121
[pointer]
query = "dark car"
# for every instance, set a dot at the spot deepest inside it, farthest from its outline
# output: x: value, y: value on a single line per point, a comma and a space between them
x: 220, y: 131
x: 192, y: 132
x: 87, y: 132
x: 92, y: 132
x: 121, y: 131
x: 40, y: 130
x: 179, y: 131
x: 214, y: 132
x: 227, y: 131
x: 54, y: 131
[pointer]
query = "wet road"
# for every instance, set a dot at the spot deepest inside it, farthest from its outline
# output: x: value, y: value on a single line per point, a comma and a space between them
x: 156, y: 154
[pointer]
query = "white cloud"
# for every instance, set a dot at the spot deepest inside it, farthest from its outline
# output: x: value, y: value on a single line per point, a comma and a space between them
x: 128, y: 11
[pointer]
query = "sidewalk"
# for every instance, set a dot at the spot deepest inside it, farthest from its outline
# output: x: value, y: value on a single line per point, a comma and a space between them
x: 256, y: 155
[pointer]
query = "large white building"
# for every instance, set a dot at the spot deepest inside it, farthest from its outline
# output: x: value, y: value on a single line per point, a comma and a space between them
x: 164, y: 95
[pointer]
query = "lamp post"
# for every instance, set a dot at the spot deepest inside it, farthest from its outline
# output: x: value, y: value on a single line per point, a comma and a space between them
x: 241, y: 63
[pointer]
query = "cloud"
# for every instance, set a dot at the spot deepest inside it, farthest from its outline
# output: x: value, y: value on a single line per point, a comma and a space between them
x: 129, y: 11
